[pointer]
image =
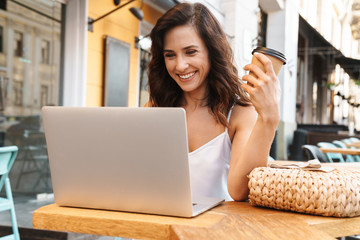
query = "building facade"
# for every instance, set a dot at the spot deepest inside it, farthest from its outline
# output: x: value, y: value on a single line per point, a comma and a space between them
x: 30, y: 56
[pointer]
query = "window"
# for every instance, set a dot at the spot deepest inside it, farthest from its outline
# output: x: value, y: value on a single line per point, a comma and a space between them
x: 145, y: 57
x: 144, y: 43
x: 19, y: 44
x: 18, y: 93
x: 44, y: 95
x: 262, y: 26
x: 45, y: 52
x: 28, y: 82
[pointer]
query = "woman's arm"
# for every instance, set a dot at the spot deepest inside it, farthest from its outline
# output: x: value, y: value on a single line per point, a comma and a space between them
x: 254, y: 127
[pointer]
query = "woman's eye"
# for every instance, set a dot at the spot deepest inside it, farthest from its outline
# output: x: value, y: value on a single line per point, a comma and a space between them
x: 191, y: 52
x: 169, y: 55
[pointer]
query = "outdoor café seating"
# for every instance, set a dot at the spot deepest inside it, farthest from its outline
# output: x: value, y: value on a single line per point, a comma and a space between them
x: 348, y: 157
x: 333, y: 157
x: 312, y: 134
x: 313, y: 152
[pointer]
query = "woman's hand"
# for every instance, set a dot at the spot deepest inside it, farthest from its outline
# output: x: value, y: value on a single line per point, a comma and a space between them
x: 264, y: 89
x: 148, y: 104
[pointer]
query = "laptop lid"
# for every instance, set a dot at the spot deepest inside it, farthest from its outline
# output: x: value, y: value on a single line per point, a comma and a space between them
x: 127, y: 159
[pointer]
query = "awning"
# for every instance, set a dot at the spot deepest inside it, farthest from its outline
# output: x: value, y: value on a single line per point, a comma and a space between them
x: 319, y: 45
x: 350, y: 65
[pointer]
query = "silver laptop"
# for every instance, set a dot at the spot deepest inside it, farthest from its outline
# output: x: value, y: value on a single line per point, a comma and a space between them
x: 124, y: 159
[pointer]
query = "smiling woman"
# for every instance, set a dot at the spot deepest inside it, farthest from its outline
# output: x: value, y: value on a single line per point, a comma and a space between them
x: 229, y: 133
x: 186, y: 59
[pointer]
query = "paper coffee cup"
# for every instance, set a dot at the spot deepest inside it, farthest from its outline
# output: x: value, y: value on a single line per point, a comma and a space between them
x: 277, y: 58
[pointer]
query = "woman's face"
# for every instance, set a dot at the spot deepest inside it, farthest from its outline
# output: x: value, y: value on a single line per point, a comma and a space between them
x: 186, y: 58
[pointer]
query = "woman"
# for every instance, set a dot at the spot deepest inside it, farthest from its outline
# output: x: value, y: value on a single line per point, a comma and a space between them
x: 229, y: 133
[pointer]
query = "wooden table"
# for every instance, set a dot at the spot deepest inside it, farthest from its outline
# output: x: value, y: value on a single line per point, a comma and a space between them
x: 341, y: 150
x: 231, y: 220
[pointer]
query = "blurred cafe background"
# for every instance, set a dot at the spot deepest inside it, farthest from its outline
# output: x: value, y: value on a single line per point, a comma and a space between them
x: 67, y: 53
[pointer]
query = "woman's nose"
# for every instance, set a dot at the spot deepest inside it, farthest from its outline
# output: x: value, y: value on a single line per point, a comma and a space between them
x: 181, y: 64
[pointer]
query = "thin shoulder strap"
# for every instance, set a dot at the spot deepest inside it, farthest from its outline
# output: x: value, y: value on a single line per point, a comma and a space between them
x: 229, y: 115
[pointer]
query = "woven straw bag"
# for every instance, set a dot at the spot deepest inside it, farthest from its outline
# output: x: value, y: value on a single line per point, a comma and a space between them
x: 335, y: 193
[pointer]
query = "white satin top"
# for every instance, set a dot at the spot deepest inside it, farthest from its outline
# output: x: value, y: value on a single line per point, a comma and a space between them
x: 209, y: 167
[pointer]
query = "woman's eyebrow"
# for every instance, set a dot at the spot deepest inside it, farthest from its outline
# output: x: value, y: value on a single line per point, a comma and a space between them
x: 191, y: 46
x: 185, y: 48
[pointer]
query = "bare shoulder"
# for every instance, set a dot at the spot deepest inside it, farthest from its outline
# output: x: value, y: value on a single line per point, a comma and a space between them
x: 242, y: 116
x: 243, y: 113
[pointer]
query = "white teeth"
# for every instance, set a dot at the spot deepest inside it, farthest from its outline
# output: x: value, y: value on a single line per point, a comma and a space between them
x: 187, y: 75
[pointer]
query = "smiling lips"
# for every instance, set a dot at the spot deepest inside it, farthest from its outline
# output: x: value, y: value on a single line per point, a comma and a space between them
x: 187, y: 76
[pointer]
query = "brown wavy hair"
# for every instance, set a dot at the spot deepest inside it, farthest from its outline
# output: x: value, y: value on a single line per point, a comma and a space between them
x: 224, y: 87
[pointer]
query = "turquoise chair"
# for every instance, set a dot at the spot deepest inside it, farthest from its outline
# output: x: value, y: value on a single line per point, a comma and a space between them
x: 346, y: 141
x: 354, y: 139
x: 7, y: 158
x: 331, y: 156
x: 313, y: 152
x: 349, y: 158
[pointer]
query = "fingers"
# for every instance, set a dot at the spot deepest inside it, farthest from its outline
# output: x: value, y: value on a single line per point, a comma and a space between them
x: 260, y: 80
x: 266, y: 62
x: 258, y: 73
x: 263, y: 87
x: 250, y: 79
x: 254, y: 88
x: 247, y: 88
